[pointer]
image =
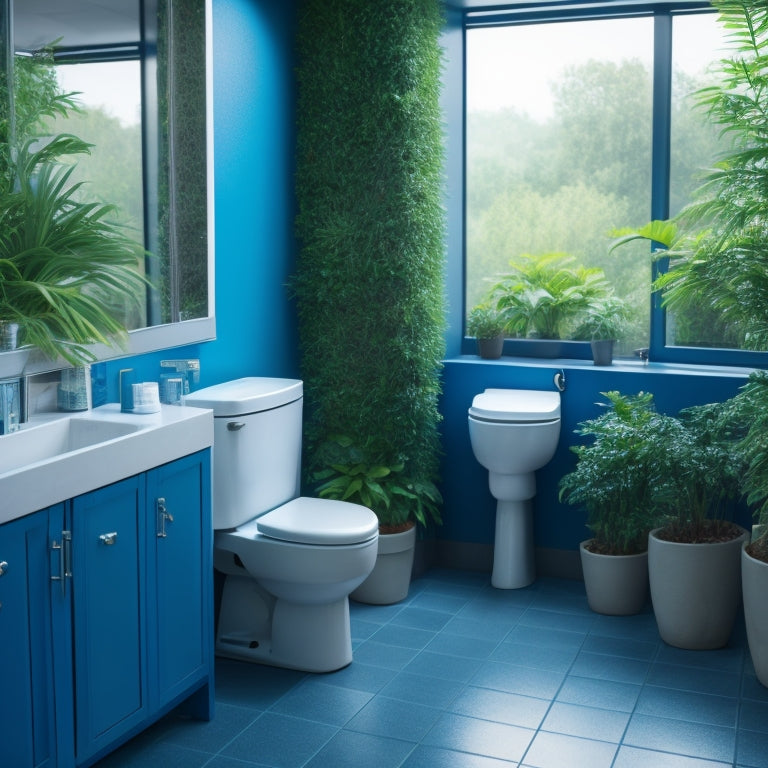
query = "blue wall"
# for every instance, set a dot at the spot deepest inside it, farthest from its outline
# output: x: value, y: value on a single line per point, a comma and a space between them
x: 255, y: 251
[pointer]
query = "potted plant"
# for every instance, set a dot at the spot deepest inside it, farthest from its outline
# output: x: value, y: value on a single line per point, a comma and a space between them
x: 602, y: 323
x: 693, y: 556
x: 752, y: 405
x: 616, y: 479
x: 543, y: 297
x: 487, y: 325
x: 399, y: 502
x: 62, y: 261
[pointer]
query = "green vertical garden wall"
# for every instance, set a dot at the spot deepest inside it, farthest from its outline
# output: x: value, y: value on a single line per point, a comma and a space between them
x: 369, y: 281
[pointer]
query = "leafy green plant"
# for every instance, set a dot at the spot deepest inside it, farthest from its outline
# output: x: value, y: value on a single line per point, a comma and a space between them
x: 369, y: 278
x: 606, y: 317
x: 394, y: 498
x: 705, y: 472
x: 619, y: 475
x: 544, y: 296
x: 61, y: 261
x: 750, y: 408
x: 485, y: 322
x: 718, y: 245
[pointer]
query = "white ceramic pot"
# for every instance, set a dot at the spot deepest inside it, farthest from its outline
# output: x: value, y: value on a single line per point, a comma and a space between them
x: 390, y: 578
x: 754, y: 578
x: 695, y: 590
x: 616, y: 585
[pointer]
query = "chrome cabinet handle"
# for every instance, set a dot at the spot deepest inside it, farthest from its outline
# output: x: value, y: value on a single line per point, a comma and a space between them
x: 65, y: 558
x: 163, y: 516
x: 235, y: 426
x: 3, y: 567
x: 108, y: 539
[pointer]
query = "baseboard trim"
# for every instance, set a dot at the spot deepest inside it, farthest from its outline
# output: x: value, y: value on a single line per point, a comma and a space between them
x: 470, y: 556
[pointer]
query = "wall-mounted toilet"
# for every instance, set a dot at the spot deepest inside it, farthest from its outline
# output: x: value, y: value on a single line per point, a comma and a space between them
x: 290, y: 561
x: 513, y: 433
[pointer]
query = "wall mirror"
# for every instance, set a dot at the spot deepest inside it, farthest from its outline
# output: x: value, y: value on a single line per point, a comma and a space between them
x: 142, y: 72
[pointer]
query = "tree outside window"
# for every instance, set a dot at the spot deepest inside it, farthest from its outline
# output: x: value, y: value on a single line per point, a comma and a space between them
x: 559, y: 150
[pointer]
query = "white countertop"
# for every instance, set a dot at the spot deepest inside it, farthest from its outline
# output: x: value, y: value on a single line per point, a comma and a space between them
x: 38, y: 467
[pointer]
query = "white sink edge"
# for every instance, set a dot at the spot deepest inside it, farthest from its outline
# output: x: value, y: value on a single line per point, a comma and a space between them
x: 173, y: 432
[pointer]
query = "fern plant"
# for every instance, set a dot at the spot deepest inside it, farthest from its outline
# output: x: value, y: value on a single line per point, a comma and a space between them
x: 62, y: 261
x: 544, y: 296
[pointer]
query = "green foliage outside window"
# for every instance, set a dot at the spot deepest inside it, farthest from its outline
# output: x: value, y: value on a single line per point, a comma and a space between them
x: 564, y: 180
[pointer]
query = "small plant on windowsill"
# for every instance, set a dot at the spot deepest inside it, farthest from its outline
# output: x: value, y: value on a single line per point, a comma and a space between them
x: 544, y: 297
x: 487, y: 325
x: 604, y: 322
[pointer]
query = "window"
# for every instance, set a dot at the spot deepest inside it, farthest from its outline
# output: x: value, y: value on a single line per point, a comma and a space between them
x: 577, y: 127
x: 109, y: 97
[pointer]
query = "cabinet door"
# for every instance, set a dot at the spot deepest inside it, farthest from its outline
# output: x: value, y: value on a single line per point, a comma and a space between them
x: 179, y: 527
x: 27, y: 736
x: 108, y: 554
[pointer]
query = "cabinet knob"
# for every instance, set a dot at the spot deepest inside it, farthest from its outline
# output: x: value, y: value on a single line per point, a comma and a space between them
x: 108, y: 538
x: 3, y: 568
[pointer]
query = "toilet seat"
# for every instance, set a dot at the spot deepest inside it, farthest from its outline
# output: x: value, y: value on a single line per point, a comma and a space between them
x: 322, y: 522
x: 516, y: 406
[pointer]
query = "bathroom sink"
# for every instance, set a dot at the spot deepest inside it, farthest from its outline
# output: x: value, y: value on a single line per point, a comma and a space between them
x: 51, y: 439
x: 56, y: 457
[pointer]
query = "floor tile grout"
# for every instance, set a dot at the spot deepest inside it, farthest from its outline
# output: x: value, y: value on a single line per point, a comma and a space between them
x: 471, y: 709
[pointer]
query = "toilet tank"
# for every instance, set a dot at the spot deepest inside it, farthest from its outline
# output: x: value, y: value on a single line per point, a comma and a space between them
x: 256, y: 445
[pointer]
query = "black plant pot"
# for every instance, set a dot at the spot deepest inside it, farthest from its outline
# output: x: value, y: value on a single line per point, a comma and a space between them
x: 490, y: 349
x: 602, y: 351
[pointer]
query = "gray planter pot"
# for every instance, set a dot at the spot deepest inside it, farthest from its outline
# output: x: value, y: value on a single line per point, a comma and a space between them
x: 9, y: 333
x: 490, y: 349
x: 754, y: 577
x: 602, y: 351
x: 390, y: 578
x: 695, y: 590
x: 616, y: 585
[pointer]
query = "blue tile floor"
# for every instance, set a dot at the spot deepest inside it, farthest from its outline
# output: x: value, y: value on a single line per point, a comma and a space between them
x: 461, y: 675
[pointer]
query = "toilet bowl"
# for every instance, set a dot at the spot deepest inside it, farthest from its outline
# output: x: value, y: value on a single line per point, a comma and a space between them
x: 289, y: 561
x: 513, y: 433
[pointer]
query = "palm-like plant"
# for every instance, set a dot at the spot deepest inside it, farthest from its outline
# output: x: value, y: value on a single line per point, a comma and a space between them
x: 62, y: 261
x: 543, y: 296
x: 718, y: 245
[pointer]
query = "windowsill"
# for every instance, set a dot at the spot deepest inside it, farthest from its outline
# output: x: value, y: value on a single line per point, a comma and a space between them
x: 620, y: 365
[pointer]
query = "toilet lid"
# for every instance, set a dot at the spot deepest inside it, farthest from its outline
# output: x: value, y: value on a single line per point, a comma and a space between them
x: 319, y: 521
x: 516, y: 405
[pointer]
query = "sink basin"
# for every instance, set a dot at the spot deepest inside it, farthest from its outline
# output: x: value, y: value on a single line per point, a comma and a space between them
x: 46, y: 441
x: 58, y: 457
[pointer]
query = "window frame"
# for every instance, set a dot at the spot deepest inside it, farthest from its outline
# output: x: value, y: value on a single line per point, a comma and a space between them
x: 663, y: 12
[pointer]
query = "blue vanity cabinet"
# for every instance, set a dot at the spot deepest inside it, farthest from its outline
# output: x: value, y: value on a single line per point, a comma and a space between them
x: 180, y: 572
x: 109, y: 614
x: 106, y: 616
x: 142, y: 599
x: 27, y: 725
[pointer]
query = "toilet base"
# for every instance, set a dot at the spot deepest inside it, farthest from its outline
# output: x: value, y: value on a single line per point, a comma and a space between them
x: 513, y: 555
x: 255, y: 626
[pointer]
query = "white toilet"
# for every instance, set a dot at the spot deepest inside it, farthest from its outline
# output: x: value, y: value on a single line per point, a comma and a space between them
x: 290, y: 561
x: 513, y: 433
